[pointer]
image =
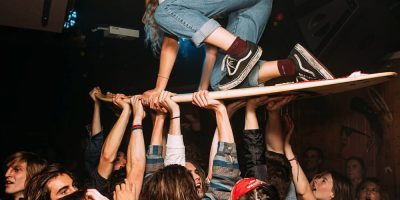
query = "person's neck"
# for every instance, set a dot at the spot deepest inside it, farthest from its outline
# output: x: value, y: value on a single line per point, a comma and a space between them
x: 19, y: 195
x: 356, y: 181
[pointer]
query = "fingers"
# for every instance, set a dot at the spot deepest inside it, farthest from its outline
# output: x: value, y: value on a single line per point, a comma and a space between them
x: 200, y: 98
x: 95, y: 195
x: 133, y: 100
x: 166, y: 103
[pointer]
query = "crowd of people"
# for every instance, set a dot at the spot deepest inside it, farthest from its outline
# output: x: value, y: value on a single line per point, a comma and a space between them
x: 165, y: 170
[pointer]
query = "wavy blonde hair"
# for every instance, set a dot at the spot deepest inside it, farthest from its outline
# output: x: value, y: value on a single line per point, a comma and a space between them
x: 153, y: 35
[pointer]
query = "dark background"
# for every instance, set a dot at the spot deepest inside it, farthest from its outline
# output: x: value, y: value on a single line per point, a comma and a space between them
x: 45, y: 77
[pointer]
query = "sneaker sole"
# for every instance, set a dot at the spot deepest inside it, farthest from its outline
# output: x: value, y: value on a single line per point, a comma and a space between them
x: 313, y: 62
x: 244, y: 73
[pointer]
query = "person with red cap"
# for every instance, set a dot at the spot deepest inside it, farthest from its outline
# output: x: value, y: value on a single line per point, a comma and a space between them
x: 252, y: 188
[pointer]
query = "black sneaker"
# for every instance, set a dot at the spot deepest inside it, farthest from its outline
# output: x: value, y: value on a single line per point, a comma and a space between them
x: 239, y: 68
x: 308, y: 67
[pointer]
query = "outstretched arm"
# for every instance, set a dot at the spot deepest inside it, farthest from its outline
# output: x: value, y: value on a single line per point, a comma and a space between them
x: 154, y: 155
x: 273, y: 133
x: 114, y: 138
x: 96, y: 122
x: 136, y: 159
x: 175, y: 153
x: 96, y: 136
x: 253, y: 141
x: 231, y: 109
x: 209, y: 61
x: 226, y: 157
x: 224, y: 128
x: 169, y: 51
x: 300, y: 180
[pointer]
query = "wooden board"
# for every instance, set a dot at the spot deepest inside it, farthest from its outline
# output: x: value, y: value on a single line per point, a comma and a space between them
x: 302, y: 89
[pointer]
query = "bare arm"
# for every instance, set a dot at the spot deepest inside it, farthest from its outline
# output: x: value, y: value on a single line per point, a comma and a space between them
x: 251, y: 121
x: 224, y: 128
x: 300, y: 180
x: 175, y: 151
x: 273, y: 133
x: 169, y: 51
x: 114, y: 138
x: 211, y: 56
x: 158, y: 128
x: 136, y: 159
x: 96, y: 121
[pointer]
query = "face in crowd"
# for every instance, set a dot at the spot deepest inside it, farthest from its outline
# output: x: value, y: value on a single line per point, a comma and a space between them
x: 60, y: 186
x: 198, y: 179
x: 354, y: 169
x: 370, y: 189
x: 20, y: 167
x: 331, y: 185
x: 53, y: 182
x: 322, y: 186
x: 120, y: 161
x: 312, y: 159
x: 15, y: 178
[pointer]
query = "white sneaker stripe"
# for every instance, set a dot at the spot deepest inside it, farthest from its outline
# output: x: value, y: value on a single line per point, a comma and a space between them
x: 301, y: 66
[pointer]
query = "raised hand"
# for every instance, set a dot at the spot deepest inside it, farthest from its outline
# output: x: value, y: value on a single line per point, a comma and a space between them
x: 235, y: 106
x: 202, y: 100
x: 95, y: 91
x: 255, y: 102
x: 138, y: 110
x: 166, y: 102
x: 93, y: 194
x: 150, y: 98
x: 290, y: 129
x: 276, y: 103
x: 125, y: 191
x: 118, y: 100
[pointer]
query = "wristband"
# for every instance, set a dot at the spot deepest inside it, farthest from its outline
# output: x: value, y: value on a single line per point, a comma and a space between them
x: 136, y: 127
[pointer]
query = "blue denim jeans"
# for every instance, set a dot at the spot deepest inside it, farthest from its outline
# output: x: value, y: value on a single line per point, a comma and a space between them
x: 193, y: 19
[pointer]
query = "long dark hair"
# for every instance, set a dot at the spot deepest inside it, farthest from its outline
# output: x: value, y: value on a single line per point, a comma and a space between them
x: 173, y: 182
x: 341, y: 186
x: 36, y: 188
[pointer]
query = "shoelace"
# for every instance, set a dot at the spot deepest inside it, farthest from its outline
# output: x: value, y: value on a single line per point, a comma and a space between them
x: 229, y: 63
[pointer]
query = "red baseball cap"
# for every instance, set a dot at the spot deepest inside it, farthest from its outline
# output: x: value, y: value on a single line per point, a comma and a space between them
x: 244, y: 186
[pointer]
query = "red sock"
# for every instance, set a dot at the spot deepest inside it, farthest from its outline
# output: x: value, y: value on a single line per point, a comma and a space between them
x: 237, y: 48
x: 286, y: 67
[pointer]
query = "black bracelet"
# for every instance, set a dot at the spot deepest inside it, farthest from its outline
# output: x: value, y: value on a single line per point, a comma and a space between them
x: 294, y: 158
x: 175, y: 117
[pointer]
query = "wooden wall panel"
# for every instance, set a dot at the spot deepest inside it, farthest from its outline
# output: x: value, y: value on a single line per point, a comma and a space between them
x: 319, y: 121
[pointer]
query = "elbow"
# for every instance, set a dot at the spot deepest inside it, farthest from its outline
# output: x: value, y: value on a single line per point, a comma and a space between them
x: 107, y: 157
